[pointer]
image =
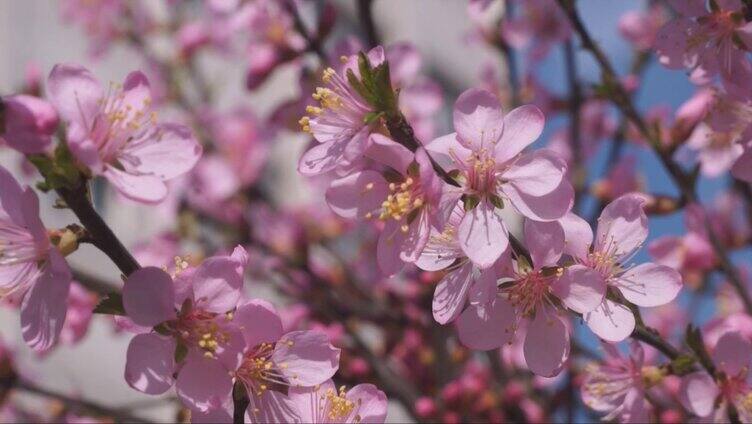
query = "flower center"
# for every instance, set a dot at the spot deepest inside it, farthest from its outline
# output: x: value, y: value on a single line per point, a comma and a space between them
x: 201, y: 329
x: 337, y: 406
x: 403, y: 199
x: 530, y: 290
x: 346, y: 107
x: 119, y: 123
x: 258, y: 371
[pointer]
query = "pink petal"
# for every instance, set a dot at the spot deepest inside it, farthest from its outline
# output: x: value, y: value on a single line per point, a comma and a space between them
x: 309, y: 357
x: 546, y: 344
x: 306, y: 400
x: 668, y: 251
x: 611, y: 321
x: 545, y: 241
x: 451, y: 293
x: 445, y: 149
x: 522, y: 126
x: 272, y: 407
x: 487, y: 327
x: 671, y: 43
x: 636, y: 408
x: 150, y: 363
x: 689, y: 8
x: 372, y: 401
x: 171, y: 153
x: 76, y: 94
x: 148, y: 297
x: 10, y: 198
x: 549, y: 207
x: 416, y: 238
x: 482, y: 235
x: 141, y: 188
x: 212, y: 416
x: 389, y: 247
x: 577, y: 234
x: 217, y: 283
x: 323, y: 157
x: 438, y: 255
x: 732, y: 354
x: 357, y: 195
x: 29, y: 123
x: 388, y: 152
x: 650, y: 284
x: 259, y: 322
x: 698, y: 392
x: 582, y: 289
x: 478, y: 119
x: 203, y: 383
x: 537, y: 174
x: 622, y: 226
x: 44, y: 307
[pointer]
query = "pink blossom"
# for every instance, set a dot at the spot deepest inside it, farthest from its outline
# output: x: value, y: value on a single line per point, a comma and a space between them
x: 698, y: 391
x: 486, y: 152
x: 339, y: 124
x: 707, y: 42
x: 188, y: 311
x: 618, y: 385
x: 528, y: 298
x: 268, y: 360
x: 407, y: 202
x: 30, y: 266
x: 115, y: 133
x: 99, y: 19
x: 620, y: 180
x: 81, y: 305
x: 622, y: 229
x: 323, y: 403
x: 29, y: 123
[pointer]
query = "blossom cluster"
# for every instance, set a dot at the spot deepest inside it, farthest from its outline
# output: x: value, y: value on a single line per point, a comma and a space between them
x: 505, y: 250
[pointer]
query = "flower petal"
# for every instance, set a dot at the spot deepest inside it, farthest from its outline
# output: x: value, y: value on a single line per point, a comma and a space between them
x: 549, y: 207
x: 44, y: 307
x: 259, y: 322
x: 537, y: 173
x: 357, y: 195
x: 373, y: 403
x: 611, y: 321
x: 390, y: 153
x: 487, y: 327
x: 545, y: 241
x: 577, y: 234
x: 732, y: 354
x: 582, y: 289
x: 697, y: 393
x: 478, y: 119
x: 522, y: 126
x: 272, y: 407
x: 172, y: 152
x: 309, y: 357
x: 622, y: 226
x: 451, y: 293
x: 141, y: 188
x: 217, y: 283
x: 150, y: 363
x: 547, y: 344
x: 149, y: 297
x: 76, y: 94
x: 650, y: 284
x: 482, y: 235
x: 203, y: 383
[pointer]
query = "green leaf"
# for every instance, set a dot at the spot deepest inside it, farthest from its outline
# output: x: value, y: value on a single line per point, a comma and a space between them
x: 360, y: 88
x: 112, y: 304
x: 496, y: 201
x: 683, y: 364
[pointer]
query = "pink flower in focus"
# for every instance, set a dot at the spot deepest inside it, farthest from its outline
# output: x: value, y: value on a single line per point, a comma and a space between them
x: 405, y: 197
x: 622, y: 229
x: 30, y: 266
x: 707, y: 42
x: 698, y: 391
x: 486, y: 152
x: 618, y: 385
x: 115, y: 134
x: 29, y: 123
x: 323, y: 403
x: 268, y: 361
x: 339, y: 124
x: 190, y: 313
x: 528, y: 298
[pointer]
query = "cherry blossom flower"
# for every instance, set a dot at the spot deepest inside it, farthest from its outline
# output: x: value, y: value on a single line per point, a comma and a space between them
x: 191, y: 312
x: 486, y: 152
x: 30, y: 266
x: 530, y: 297
x: 708, y: 42
x: 339, y: 125
x: 406, y: 197
x: 323, y: 403
x: 622, y: 229
x: 115, y: 133
x: 29, y: 123
x: 269, y: 361
x: 618, y: 385
x: 698, y: 391
x: 641, y: 27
